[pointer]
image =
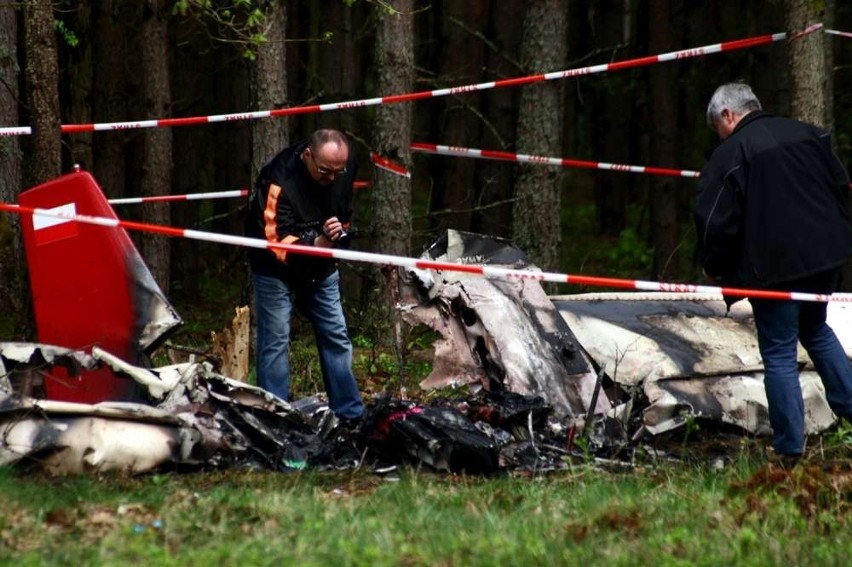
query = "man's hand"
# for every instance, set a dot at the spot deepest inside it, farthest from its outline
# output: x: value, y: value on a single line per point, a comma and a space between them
x: 332, y: 231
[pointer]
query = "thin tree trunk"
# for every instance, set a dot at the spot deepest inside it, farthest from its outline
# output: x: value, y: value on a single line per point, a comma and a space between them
x: 811, y: 63
x: 269, y: 82
x: 664, y: 194
x: 42, y: 80
x: 536, y: 225
x: 80, y: 75
x: 606, y: 101
x: 495, y: 180
x: 394, y: 61
x: 13, y: 288
x: 109, y: 99
x: 339, y: 64
x: 157, y: 142
x: 460, y: 62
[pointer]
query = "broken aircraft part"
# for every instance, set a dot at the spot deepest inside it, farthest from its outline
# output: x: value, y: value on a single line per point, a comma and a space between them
x: 687, y: 357
x: 674, y: 357
x: 204, y: 420
x: 111, y: 301
x: 497, y: 334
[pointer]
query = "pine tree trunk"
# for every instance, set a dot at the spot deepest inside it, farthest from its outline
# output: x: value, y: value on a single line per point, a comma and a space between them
x: 394, y: 60
x: 42, y: 85
x: 460, y: 62
x: 80, y: 79
x: 494, y: 188
x: 269, y: 82
x: 664, y: 194
x: 811, y: 63
x: 13, y: 289
x: 157, y: 142
x: 536, y: 225
x: 109, y: 98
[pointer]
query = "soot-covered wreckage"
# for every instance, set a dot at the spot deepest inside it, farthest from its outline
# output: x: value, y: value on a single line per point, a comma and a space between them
x: 533, y: 373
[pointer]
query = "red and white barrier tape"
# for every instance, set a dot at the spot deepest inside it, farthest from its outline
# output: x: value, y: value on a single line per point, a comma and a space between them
x: 840, y: 33
x: 407, y: 97
x: 200, y: 196
x: 186, y: 197
x: 542, y: 160
x: 63, y: 212
x: 16, y: 131
x: 388, y: 165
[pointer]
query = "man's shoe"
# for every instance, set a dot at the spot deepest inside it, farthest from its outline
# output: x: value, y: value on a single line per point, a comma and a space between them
x: 785, y: 461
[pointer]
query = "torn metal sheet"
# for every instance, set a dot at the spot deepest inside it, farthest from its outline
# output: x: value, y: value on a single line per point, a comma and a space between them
x: 200, y: 419
x: 647, y: 336
x: 497, y: 334
x: 23, y: 365
x: 686, y: 356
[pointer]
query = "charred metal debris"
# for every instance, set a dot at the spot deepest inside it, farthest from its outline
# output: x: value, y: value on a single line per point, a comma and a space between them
x: 543, y: 383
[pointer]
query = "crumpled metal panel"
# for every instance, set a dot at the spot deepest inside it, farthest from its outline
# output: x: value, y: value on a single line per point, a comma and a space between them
x: 156, y: 318
x: 500, y: 334
x: 206, y: 420
x: 737, y: 400
x: 687, y: 356
x: 22, y: 365
x: 649, y: 336
x: 202, y: 419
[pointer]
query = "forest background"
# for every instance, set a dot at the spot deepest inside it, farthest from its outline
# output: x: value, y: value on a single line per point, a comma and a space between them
x: 76, y: 62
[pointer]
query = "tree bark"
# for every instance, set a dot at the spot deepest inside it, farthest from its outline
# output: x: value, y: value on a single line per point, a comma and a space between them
x: 13, y: 287
x: 665, y: 196
x: 394, y: 61
x: 157, y: 142
x: 42, y: 72
x: 80, y: 87
x: 461, y: 59
x: 269, y: 82
x: 811, y: 63
x: 109, y: 99
x: 536, y: 225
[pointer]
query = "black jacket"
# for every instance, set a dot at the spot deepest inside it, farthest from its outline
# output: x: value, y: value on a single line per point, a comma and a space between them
x: 771, y: 204
x: 296, y: 214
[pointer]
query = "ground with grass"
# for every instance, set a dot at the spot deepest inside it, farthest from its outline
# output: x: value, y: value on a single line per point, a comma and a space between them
x: 688, y: 501
x: 748, y: 512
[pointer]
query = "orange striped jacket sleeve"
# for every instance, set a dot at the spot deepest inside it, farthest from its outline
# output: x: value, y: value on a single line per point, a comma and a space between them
x: 270, y: 225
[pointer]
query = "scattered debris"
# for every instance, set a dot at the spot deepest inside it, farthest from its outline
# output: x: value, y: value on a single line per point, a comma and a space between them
x: 666, y: 359
x: 197, y: 418
x: 497, y: 334
x: 550, y: 380
x: 687, y: 357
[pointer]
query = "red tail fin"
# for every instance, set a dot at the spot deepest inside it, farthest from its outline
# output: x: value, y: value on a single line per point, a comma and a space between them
x: 89, y: 287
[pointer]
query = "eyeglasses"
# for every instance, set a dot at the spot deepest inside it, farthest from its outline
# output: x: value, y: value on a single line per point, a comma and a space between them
x: 324, y: 171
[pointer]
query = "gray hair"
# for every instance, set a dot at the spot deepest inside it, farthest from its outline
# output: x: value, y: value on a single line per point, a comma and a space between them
x: 736, y: 97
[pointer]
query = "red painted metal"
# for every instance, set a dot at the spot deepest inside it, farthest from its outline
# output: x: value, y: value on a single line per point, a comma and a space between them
x: 82, y: 280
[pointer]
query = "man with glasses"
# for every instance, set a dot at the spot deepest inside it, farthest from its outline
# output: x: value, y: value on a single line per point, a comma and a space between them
x: 771, y: 214
x: 304, y: 196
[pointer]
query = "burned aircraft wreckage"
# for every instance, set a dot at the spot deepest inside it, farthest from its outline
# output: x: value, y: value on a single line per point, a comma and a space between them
x: 535, y: 373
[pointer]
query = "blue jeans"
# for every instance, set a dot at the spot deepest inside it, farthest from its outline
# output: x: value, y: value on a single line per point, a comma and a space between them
x: 274, y: 302
x: 779, y: 325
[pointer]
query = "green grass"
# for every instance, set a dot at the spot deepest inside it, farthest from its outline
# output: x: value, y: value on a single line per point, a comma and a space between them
x: 747, y: 514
